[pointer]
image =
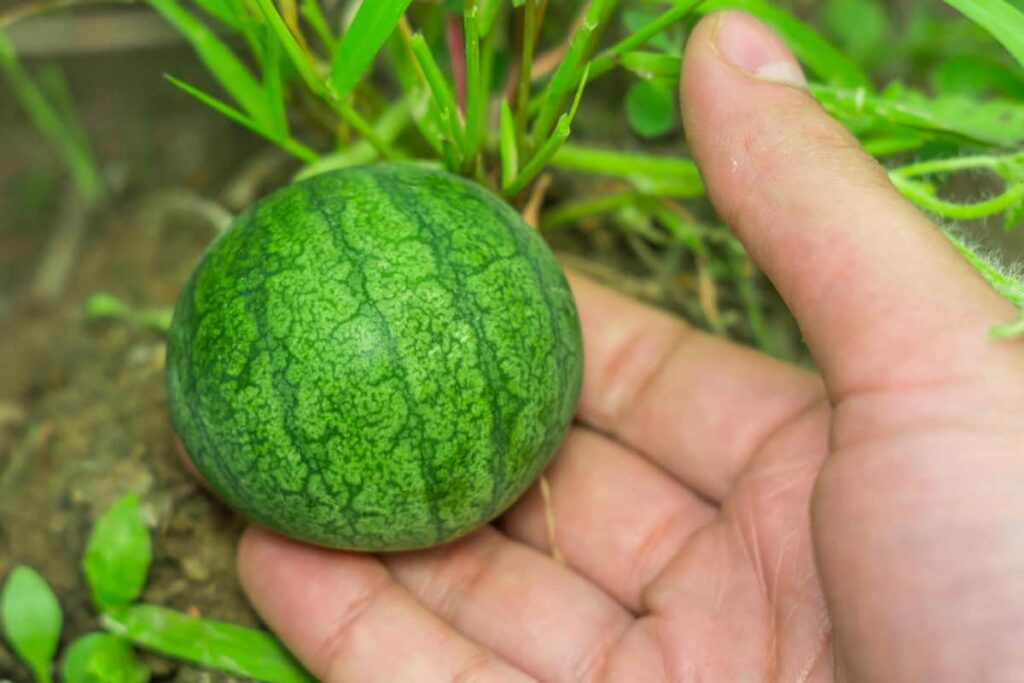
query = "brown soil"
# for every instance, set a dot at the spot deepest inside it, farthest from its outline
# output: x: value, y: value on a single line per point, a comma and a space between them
x: 82, y: 413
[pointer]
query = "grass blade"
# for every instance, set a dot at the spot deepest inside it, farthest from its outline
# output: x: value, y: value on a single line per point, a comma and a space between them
x: 314, y: 16
x: 476, y: 98
x: 606, y: 60
x: 488, y: 14
x: 570, y: 70
x: 299, y: 57
x: 550, y: 146
x: 215, y: 644
x: 1004, y: 21
x: 665, y: 176
x: 64, y: 135
x: 390, y: 124
x: 507, y: 145
x: 823, y: 58
x: 290, y: 145
x: 371, y: 26
x: 999, y: 123
x: 218, y: 58
x: 443, y: 96
x: 273, y: 87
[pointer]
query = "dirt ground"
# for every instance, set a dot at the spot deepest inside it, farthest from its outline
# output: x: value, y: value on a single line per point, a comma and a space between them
x: 83, y: 418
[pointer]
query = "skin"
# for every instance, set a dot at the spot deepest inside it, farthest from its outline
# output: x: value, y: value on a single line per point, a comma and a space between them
x: 724, y: 516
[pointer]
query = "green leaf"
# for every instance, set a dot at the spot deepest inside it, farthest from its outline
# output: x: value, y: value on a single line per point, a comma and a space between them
x: 371, y: 26
x: 976, y: 76
x: 229, y: 71
x: 993, y: 122
x: 651, y: 108
x: 214, y: 644
x: 279, y: 30
x: 825, y: 60
x: 32, y: 619
x: 664, y: 176
x: 442, y: 94
x: 650, y: 65
x: 273, y: 86
x: 288, y: 144
x: 859, y: 25
x: 1000, y: 18
x: 117, y: 555
x: 102, y: 658
x: 507, y: 144
x: 389, y: 125
x: 570, y: 70
x: 229, y: 12
x: 314, y: 16
x: 641, y: 34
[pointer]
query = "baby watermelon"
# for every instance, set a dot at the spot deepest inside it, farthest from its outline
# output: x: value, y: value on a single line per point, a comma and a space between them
x: 378, y: 358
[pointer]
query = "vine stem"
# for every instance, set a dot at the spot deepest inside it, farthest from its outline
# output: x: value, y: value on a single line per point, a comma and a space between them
x: 921, y: 196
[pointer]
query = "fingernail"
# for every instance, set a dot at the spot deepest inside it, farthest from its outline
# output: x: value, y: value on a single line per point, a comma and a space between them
x: 751, y: 46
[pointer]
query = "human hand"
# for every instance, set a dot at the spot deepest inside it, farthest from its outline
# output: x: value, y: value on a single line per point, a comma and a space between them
x: 725, y: 516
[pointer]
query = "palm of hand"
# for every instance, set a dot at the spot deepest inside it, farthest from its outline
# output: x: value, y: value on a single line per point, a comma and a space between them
x: 725, y: 516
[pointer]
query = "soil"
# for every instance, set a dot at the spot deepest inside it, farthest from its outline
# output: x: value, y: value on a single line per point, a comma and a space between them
x: 83, y: 418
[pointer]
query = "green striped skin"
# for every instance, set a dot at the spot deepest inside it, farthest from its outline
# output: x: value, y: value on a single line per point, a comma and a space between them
x: 380, y: 358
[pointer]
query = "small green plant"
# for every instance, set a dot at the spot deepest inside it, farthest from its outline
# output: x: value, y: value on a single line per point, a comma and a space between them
x: 505, y: 136
x: 492, y: 88
x: 116, y: 562
x: 31, y: 620
x: 104, y: 306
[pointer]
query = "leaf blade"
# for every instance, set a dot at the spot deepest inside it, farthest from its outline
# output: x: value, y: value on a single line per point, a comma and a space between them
x: 102, y: 658
x: 218, y: 58
x: 998, y: 17
x: 370, y: 27
x: 118, y: 554
x: 32, y: 619
x: 216, y: 644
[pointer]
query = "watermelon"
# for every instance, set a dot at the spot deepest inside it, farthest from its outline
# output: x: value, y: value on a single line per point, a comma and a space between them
x: 379, y: 358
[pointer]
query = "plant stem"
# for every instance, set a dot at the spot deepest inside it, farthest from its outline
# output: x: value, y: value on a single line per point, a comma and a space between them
x: 652, y: 173
x: 525, y: 67
x: 476, y: 99
x: 569, y: 72
x: 541, y: 158
x: 572, y: 212
x: 607, y: 59
x: 442, y: 94
x: 507, y: 148
x: 314, y: 16
x: 934, y: 166
x: 1008, y: 287
x: 1008, y: 330
x: 923, y: 198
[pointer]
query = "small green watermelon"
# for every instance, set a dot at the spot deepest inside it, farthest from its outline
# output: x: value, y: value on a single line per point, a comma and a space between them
x: 379, y: 358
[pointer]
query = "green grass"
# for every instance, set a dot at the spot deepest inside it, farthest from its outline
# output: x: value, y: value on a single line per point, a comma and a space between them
x: 461, y: 73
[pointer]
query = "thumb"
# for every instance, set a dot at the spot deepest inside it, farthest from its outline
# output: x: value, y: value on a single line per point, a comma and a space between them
x: 882, y: 298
